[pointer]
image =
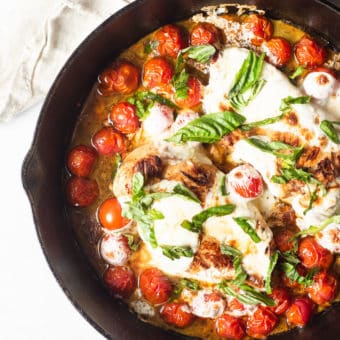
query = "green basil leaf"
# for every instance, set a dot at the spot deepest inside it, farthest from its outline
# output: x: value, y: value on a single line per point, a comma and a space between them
x: 175, y: 252
x: 247, y: 228
x: 150, y: 46
x: 201, y: 53
x: 154, y: 97
x: 291, y: 272
x: 328, y: 129
x: 266, y: 121
x: 182, y: 190
x: 131, y: 242
x: 155, y: 214
x: 312, y: 230
x: 180, y: 79
x: 278, y: 180
x: 290, y: 256
x: 286, y: 102
x: 240, y: 274
x: 116, y: 165
x: 185, y: 283
x: 209, y: 128
x: 298, y: 72
x: 230, y: 251
x: 222, y: 187
x: 313, y: 197
x: 137, y: 186
x: 272, y: 264
x: 260, y: 297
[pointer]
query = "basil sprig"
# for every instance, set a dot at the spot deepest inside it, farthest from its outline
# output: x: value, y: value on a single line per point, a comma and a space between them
x: 329, y: 130
x: 222, y: 187
x: 247, y: 228
x: 266, y: 121
x: 201, y: 53
x: 131, y: 242
x: 182, y: 190
x: 180, y: 78
x: 176, y: 252
x: 185, y: 283
x: 312, y: 230
x: 298, y: 72
x: 288, y: 101
x: 209, y: 128
x: 197, y: 220
x: 272, y: 264
x: 291, y: 272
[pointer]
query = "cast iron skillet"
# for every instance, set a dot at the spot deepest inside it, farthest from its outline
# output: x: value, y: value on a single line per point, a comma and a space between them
x: 42, y: 169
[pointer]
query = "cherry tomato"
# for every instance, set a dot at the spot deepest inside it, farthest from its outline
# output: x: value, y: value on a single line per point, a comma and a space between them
x: 261, y: 323
x: 280, y: 51
x: 157, y: 74
x: 122, y: 78
x: 81, y: 192
x: 260, y: 26
x: 324, y: 288
x: 120, y: 280
x: 169, y: 40
x: 155, y: 286
x: 203, y: 33
x: 246, y: 181
x: 235, y: 306
x: 177, y: 314
x: 110, y: 214
x: 283, y: 240
x: 282, y: 298
x: 299, y: 313
x: 230, y: 327
x: 81, y: 159
x: 124, y: 118
x: 194, y: 94
x: 107, y: 141
x: 114, y: 249
x: 313, y: 255
x: 309, y: 53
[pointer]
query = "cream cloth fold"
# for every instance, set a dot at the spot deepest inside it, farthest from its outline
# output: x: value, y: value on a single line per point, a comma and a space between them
x: 36, y: 38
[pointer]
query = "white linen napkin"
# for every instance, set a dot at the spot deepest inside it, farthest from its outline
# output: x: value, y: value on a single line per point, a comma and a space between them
x: 36, y: 38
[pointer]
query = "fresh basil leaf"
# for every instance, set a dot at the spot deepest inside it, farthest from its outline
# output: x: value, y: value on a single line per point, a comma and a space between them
x: 222, y: 187
x: 182, y: 190
x: 150, y: 46
x: 201, y: 53
x: 260, y: 297
x: 291, y: 272
x: 267, y: 121
x: 180, y: 79
x: 184, y: 283
x: 298, y: 72
x: 209, y: 128
x: 313, y: 197
x: 312, y: 230
x: 240, y: 274
x: 131, y: 242
x: 155, y: 214
x: 290, y: 256
x: 272, y: 264
x: 137, y: 186
x: 230, y: 251
x: 154, y: 97
x: 286, y: 102
x: 328, y: 129
x: 175, y: 252
x: 116, y: 165
x: 247, y: 228
x: 278, y: 180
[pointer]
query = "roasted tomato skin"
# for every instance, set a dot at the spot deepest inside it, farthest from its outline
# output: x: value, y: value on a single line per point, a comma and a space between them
x: 108, y: 141
x: 309, y: 53
x: 203, y: 33
x: 324, y: 288
x: 170, y: 41
x: 155, y: 286
x: 261, y: 323
x: 283, y: 240
x: 282, y: 298
x: 230, y: 327
x: 157, y: 74
x: 260, y: 26
x: 120, y: 280
x: 81, y: 159
x: 121, y: 78
x: 280, y: 51
x: 81, y: 192
x: 194, y: 94
x: 312, y: 255
x: 124, y: 117
x: 300, y: 311
x: 110, y: 214
x: 177, y: 314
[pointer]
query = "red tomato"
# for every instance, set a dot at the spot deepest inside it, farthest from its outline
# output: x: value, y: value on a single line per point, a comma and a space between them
x: 283, y: 240
x: 177, y: 314
x: 120, y: 280
x: 110, y: 214
x: 124, y: 118
x: 81, y: 159
x: 299, y: 313
x: 157, y: 74
x: 313, y: 255
x: 155, y: 286
x: 309, y: 53
x: 324, y: 288
x: 280, y: 51
x: 107, y: 141
x: 203, y: 33
x: 260, y: 26
x: 194, y: 94
x: 235, y: 305
x: 282, y: 298
x: 169, y: 40
x: 246, y: 181
x: 230, y: 327
x: 81, y: 192
x: 261, y: 323
x: 122, y: 78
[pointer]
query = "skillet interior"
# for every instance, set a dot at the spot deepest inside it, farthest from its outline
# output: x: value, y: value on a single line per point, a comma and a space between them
x: 42, y: 170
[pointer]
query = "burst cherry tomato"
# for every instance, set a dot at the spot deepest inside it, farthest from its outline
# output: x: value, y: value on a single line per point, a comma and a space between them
x: 324, y: 288
x: 299, y: 313
x: 114, y: 249
x: 157, y: 74
x: 261, y: 323
x: 124, y: 118
x: 81, y: 159
x: 309, y: 53
x: 235, y: 306
x: 194, y: 94
x: 203, y: 33
x: 313, y: 255
x: 177, y: 314
x: 122, y: 78
x: 283, y: 300
x: 260, y: 26
x: 110, y: 214
x: 120, y: 280
x: 169, y: 41
x: 283, y: 240
x: 107, y: 141
x: 155, y: 286
x: 230, y: 327
x: 81, y: 192
x: 246, y: 181
x: 279, y: 51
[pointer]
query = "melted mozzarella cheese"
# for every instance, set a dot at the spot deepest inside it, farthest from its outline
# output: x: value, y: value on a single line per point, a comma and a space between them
x: 319, y: 85
x: 329, y: 238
